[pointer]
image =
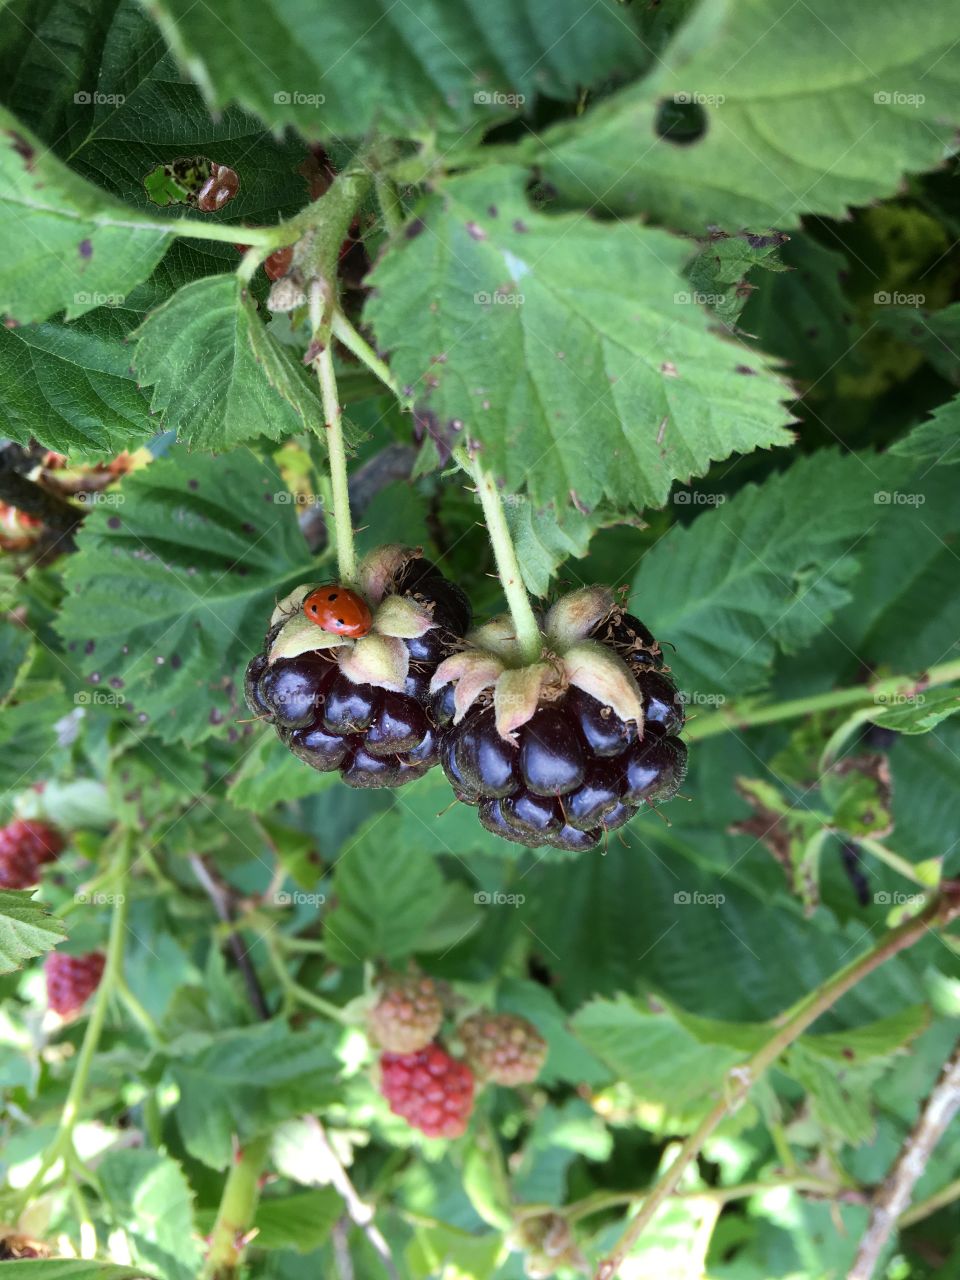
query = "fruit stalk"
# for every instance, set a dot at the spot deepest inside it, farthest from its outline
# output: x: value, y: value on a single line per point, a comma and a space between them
x: 508, y: 567
x: 238, y: 1204
x: 882, y: 690
x: 337, y: 458
x: 62, y: 1143
x: 941, y: 910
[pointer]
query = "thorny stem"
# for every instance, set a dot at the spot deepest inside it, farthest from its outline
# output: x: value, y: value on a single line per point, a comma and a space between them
x: 337, y: 457
x: 741, y: 1079
x: 880, y: 692
x: 508, y: 567
x: 62, y: 1144
x: 238, y: 1204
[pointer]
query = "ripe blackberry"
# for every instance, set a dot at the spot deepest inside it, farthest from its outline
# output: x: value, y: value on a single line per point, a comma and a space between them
x: 407, y: 1015
x: 560, y: 751
x: 72, y: 980
x: 503, y: 1047
x: 25, y: 846
x: 345, y: 674
x: 430, y: 1090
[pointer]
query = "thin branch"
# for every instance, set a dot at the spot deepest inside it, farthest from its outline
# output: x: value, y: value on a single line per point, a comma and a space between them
x: 222, y: 898
x: 893, y: 1195
x: 740, y: 1080
x: 360, y: 1212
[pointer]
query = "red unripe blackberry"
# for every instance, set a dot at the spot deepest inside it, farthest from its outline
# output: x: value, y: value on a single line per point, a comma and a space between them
x: 72, y: 980
x: 407, y: 1015
x: 503, y: 1047
x: 561, y: 750
x: 25, y: 846
x: 430, y: 1090
x: 349, y: 691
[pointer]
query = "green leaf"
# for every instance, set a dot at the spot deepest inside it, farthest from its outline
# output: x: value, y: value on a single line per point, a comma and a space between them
x: 546, y: 537
x: 920, y: 713
x: 766, y: 569
x: 29, y: 732
x: 792, y: 833
x: 434, y: 68
x: 659, y: 1059
x: 792, y: 110
x: 608, y: 386
x: 70, y: 387
x: 935, y: 333
x: 26, y: 930
x: 879, y: 1039
x: 71, y: 1269
x: 149, y: 1198
x: 387, y: 916
x: 77, y: 247
x: 718, y: 274
x: 301, y: 1222
x: 171, y: 592
x: 247, y: 1080
x: 218, y: 378
x: 936, y: 440
x: 270, y: 774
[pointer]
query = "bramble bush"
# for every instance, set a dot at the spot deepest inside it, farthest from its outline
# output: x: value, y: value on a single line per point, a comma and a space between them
x: 479, y: 646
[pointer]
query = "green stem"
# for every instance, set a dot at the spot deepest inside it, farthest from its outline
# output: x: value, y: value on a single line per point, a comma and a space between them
x: 62, y: 1144
x: 238, y: 1204
x: 337, y: 456
x: 741, y: 1078
x: 747, y: 716
x: 508, y: 567
x: 294, y: 992
x: 391, y: 206
x: 136, y: 1010
x: 893, y: 860
x: 924, y: 1208
x: 358, y: 346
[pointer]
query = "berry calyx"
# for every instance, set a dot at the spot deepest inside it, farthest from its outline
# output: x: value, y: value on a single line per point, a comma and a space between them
x: 25, y: 846
x: 338, y: 610
x: 503, y: 1048
x: 407, y: 1015
x: 72, y: 980
x: 562, y: 749
x: 429, y: 1089
x: 345, y: 672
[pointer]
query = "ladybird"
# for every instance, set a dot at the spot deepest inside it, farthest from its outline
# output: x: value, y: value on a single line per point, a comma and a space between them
x: 339, y: 610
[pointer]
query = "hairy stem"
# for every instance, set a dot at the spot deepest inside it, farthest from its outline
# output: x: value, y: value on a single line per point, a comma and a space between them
x: 238, y: 1204
x: 358, y: 346
x: 508, y: 567
x: 391, y: 206
x: 62, y: 1144
x: 741, y: 1079
x: 337, y: 455
x: 747, y: 716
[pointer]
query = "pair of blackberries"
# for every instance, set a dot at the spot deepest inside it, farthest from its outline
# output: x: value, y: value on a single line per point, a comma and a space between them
x: 381, y: 684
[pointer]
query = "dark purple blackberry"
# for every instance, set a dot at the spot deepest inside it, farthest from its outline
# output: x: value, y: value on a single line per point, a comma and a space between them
x: 568, y: 767
x: 378, y: 732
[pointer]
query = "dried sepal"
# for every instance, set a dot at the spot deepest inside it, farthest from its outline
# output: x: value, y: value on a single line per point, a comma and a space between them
x: 379, y: 570
x: 300, y: 635
x: 286, y: 294
x: 575, y: 615
x: 471, y: 673
x: 594, y: 669
x: 517, y: 694
x: 498, y: 636
x: 403, y: 617
x: 292, y: 603
x: 378, y: 660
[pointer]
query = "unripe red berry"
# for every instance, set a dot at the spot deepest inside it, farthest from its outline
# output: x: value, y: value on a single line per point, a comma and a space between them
x: 72, y: 980
x: 407, y: 1015
x: 503, y: 1047
x: 430, y: 1090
